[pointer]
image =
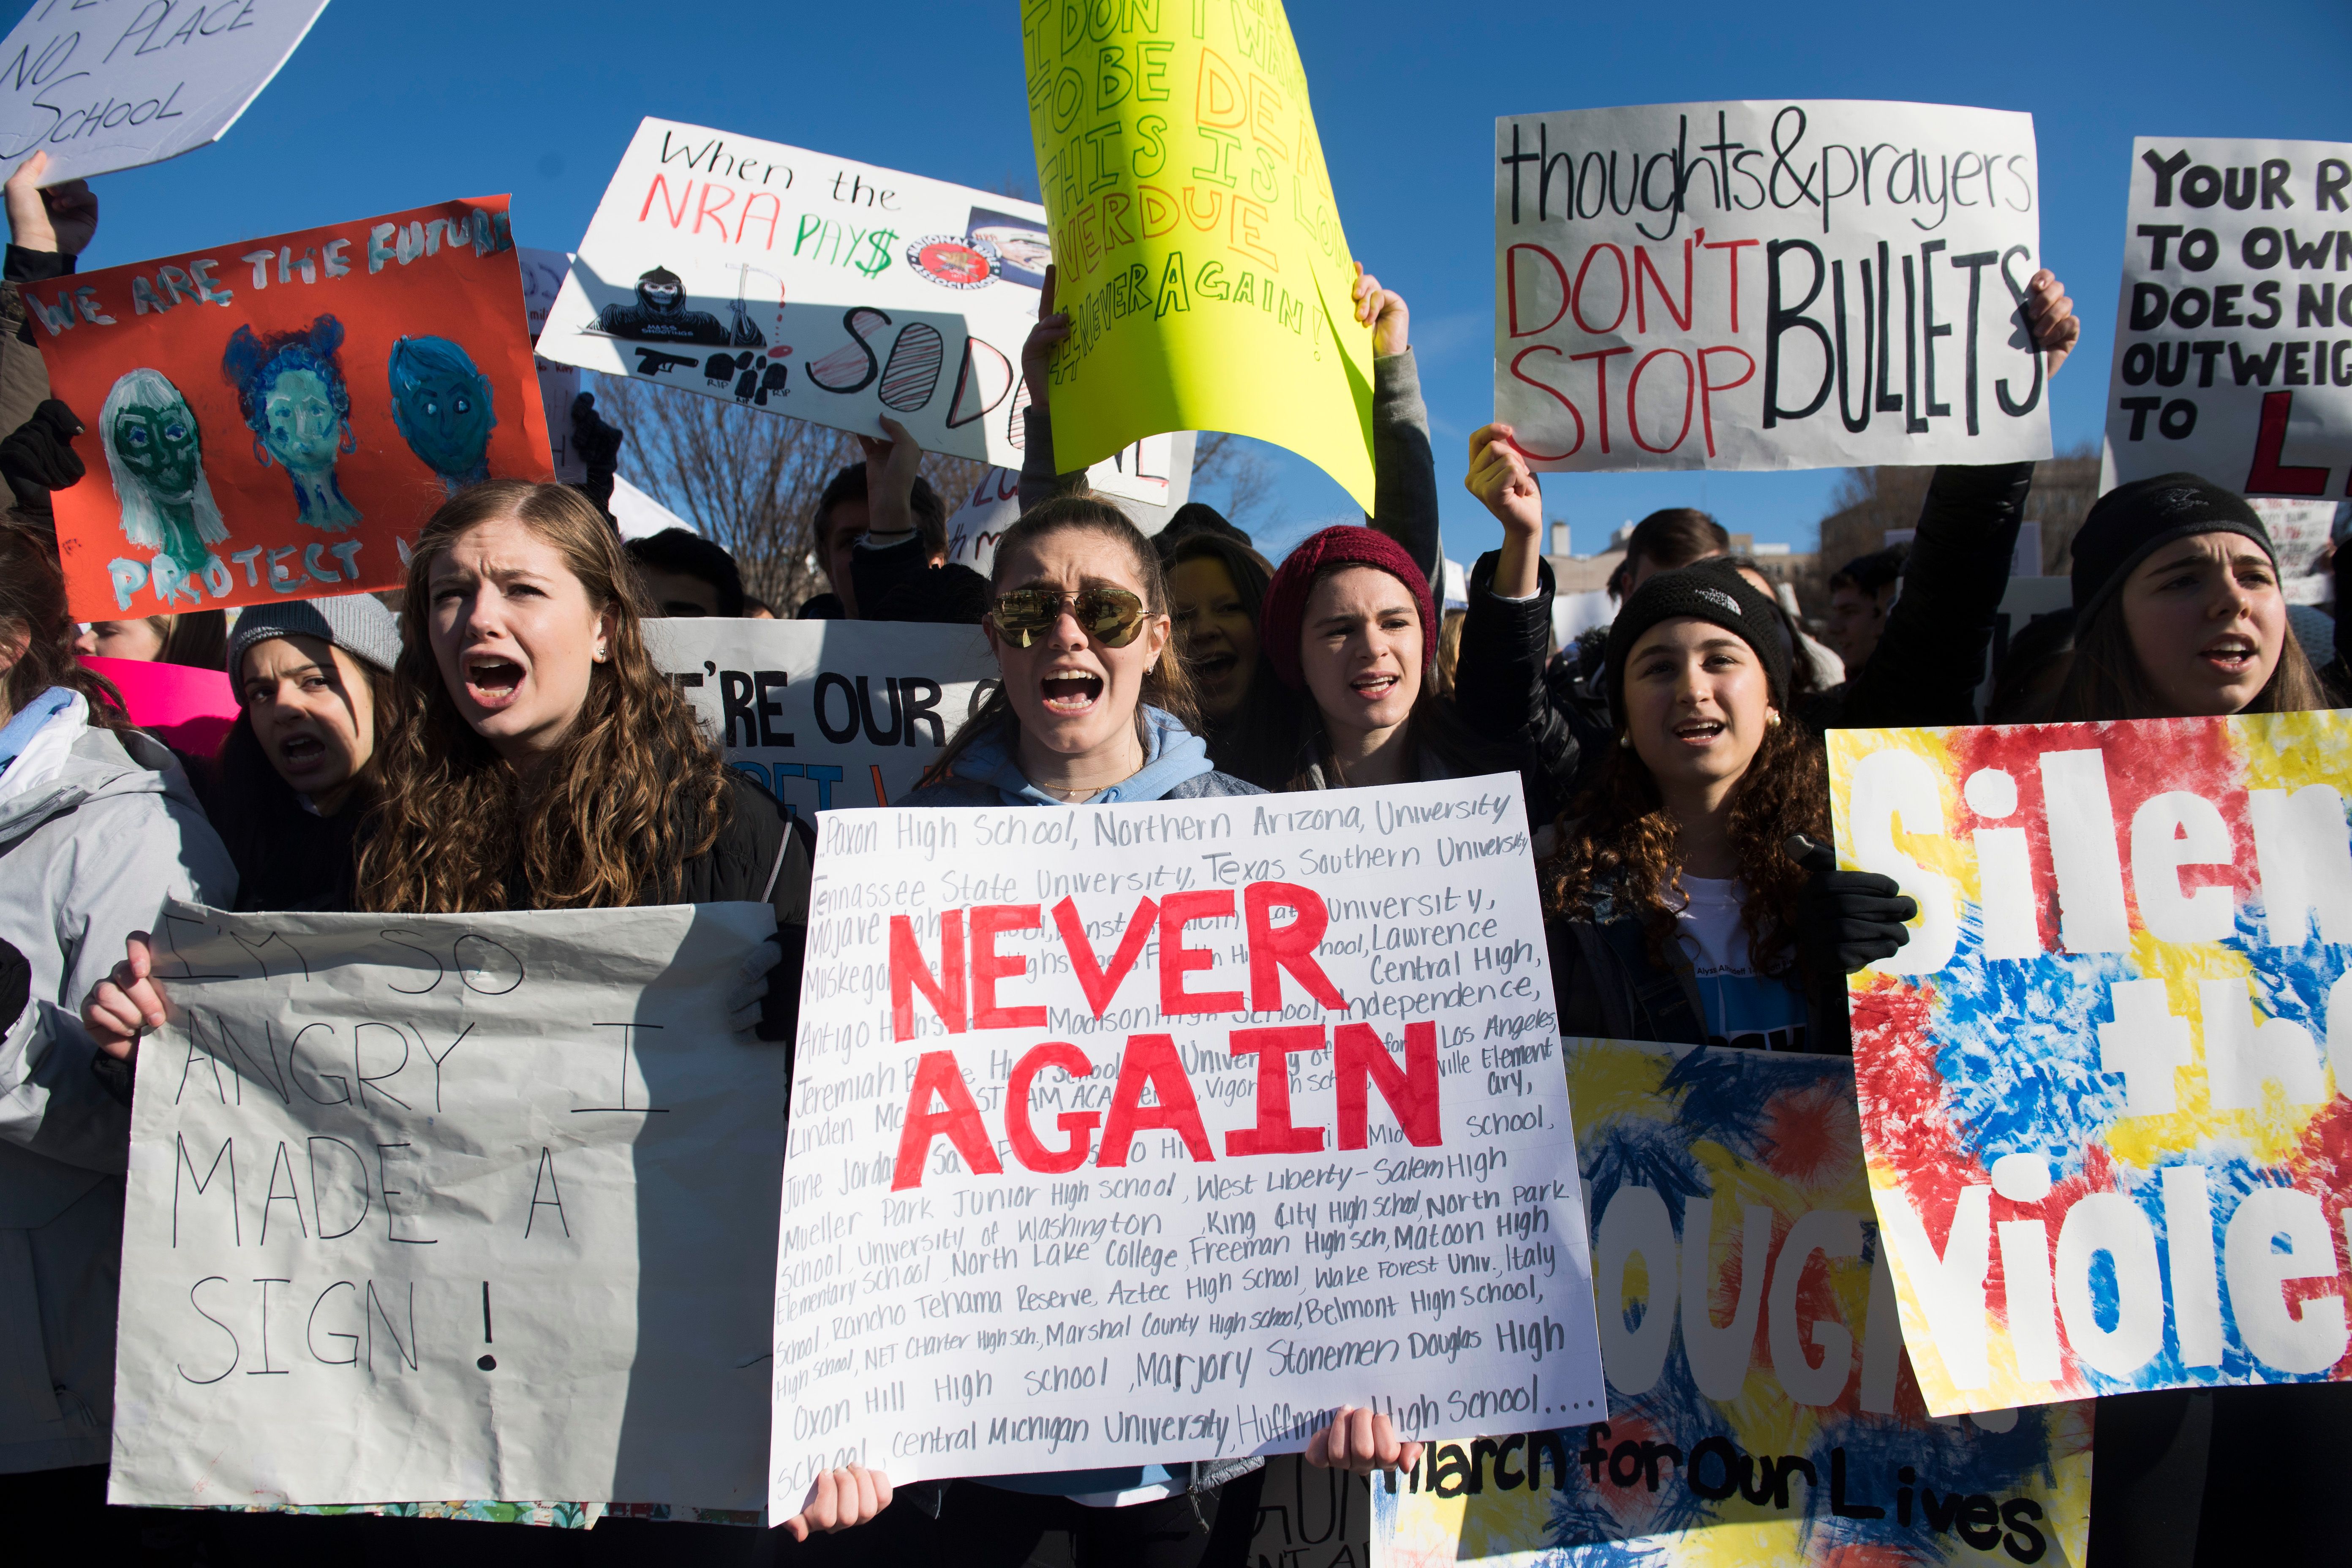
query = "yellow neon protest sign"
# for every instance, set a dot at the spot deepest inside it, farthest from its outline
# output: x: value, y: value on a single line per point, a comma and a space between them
x: 1197, y: 242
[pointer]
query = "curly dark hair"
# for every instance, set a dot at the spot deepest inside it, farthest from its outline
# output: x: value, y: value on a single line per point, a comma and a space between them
x: 1618, y: 844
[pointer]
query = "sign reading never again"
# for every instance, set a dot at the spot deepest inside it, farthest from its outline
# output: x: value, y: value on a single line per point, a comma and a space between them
x: 278, y: 418
x: 1767, y: 285
x: 1730, y: 1183
x: 802, y: 284
x: 826, y: 714
x: 113, y: 86
x: 1201, y: 256
x: 2104, y: 1052
x: 2234, y: 330
x: 1149, y: 1133
x: 446, y: 1206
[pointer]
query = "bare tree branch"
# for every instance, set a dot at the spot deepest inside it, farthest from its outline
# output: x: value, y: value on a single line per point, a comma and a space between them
x: 1240, y: 466
x: 747, y: 479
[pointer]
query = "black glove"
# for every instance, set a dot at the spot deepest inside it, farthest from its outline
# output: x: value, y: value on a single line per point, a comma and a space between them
x: 1846, y: 920
x: 39, y: 458
x: 598, y: 443
x: 16, y: 985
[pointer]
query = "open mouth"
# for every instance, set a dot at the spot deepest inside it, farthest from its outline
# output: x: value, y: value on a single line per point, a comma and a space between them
x: 1215, y: 666
x: 301, y: 753
x: 492, y: 681
x: 1698, y: 731
x: 1371, y: 688
x: 2230, y: 655
x: 1072, y: 692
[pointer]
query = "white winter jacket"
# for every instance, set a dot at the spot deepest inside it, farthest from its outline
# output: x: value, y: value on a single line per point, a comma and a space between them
x: 96, y: 832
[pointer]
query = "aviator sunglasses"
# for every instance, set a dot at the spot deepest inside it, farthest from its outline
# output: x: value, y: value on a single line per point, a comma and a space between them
x: 1112, y: 616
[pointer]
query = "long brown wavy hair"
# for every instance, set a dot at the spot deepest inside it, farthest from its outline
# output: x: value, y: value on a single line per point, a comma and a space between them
x: 1618, y: 845
x: 1166, y: 685
x: 33, y: 599
x: 2106, y: 680
x: 634, y: 790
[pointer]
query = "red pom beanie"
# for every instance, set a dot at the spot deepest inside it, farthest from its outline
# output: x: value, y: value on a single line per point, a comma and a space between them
x: 1284, y: 614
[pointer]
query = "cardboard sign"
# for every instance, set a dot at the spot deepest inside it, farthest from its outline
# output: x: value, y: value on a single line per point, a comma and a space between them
x: 1148, y: 1133
x: 2096, y: 1094
x: 1202, y: 261
x: 107, y: 85
x: 808, y: 286
x: 827, y: 714
x: 1148, y: 481
x: 1767, y: 285
x: 277, y: 419
x: 1728, y: 1184
x: 2233, y: 351
x: 442, y: 1207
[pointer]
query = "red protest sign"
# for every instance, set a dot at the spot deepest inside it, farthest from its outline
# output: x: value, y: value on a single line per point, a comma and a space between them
x: 277, y: 418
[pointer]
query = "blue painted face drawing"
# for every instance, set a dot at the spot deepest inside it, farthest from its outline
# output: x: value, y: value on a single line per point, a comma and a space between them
x: 290, y: 389
x: 442, y: 405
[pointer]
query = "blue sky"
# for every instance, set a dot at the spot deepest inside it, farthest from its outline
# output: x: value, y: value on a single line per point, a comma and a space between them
x: 387, y: 105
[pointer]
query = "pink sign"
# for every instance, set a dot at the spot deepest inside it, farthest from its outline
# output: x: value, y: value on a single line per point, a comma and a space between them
x: 189, y: 709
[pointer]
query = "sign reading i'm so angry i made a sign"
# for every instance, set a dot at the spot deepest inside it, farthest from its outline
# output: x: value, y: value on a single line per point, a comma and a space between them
x: 2100, y: 1086
x: 1150, y: 1134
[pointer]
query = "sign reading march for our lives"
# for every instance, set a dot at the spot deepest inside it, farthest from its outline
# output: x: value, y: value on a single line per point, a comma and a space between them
x: 1201, y: 258
x: 2234, y: 333
x: 827, y: 714
x: 437, y: 1207
x: 1150, y: 1134
x: 277, y: 418
x: 1758, y: 1406
x: 101, y: 85
x: 1767, y: 285
x: 2099, y: 1087
x: 811, y: 286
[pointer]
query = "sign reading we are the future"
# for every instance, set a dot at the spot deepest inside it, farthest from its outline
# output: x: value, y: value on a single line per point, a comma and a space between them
x: 1145, y: 1133
x: 2107, y: 1064
x: 1767, y: 285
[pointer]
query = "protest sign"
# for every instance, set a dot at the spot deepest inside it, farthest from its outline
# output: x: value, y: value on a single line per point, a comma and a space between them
x: 111, y: 86
x: 2233, y: 342
x: 529, y: 1184
x: 1148, y: 481
x: 293, y: 445
x: 1149, y: 1133
x: 190, y: 709
x: 1785, y: 1433
x: 543, y: 272
x: 2096, y: 1088
x: 827, y: 714
x: 1202, y: 261
x: 1878, y: 320
x: 811, y: 286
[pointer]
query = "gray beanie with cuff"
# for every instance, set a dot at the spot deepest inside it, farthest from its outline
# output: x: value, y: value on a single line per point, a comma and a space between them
x: 356, y: 623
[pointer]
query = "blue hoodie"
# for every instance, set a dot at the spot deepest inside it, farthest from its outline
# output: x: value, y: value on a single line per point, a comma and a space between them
x: 1176, y: 766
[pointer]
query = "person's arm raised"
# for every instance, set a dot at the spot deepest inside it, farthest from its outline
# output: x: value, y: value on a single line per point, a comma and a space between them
x: 1039, y: 481
x: 1499, y: 476
x: 1405, y: 469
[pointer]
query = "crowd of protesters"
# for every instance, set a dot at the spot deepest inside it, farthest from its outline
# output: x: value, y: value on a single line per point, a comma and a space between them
x: 502, y: 741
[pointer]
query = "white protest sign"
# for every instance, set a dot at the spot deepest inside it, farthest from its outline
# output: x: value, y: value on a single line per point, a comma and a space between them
x: 2233, y: 348
x: 543, y: 272
x: 826, y: 714
x: 103, y: 85
x: 442, y: 1207
x: 1148, y: 1133
x: 1767, y: 285
x: 1148, y: 480
x: 810, y: 286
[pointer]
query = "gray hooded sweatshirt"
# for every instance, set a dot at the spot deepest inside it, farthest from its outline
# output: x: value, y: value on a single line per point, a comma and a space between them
x: 96, y: 831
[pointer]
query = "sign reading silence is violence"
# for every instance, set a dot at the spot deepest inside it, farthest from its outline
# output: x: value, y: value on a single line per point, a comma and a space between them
x: 1150, y: 1134
x: 277, y: 418
x: 2100, y: 1086
x: 1199, y: 249
x: 1767, y: 284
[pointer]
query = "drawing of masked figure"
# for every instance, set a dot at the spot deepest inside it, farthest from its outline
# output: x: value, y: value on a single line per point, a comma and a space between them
x: 156, y: 454
x: 442, y: 405
x: 290, y: 389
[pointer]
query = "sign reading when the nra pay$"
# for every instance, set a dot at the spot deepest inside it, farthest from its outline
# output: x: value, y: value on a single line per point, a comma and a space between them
x: 1149, y: 1133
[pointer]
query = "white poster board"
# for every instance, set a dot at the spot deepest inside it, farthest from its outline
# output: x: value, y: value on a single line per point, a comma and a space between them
x: 1058, y: 1198
x: 427, y: 1208
x: 2234, y: 354
x: 1767, y: 285
x: 826, y: 714
x: 543, y: 272
x: 1148, y: 480
x: 102, y: 85
x: 810, y: 286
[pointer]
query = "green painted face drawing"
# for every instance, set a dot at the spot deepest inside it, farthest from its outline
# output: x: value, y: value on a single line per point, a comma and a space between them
x: 305, y: 431
x: 158, y: 442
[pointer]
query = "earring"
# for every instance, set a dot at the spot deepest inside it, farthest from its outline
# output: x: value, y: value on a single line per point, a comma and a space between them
x: 350, y: 442
x: 261, y: 453
x: 600, y: 658
x: 1625, y: 740
x: 1771, y: 721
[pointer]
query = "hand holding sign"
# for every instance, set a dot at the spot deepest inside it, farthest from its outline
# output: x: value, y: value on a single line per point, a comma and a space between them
x: 59, y: 220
